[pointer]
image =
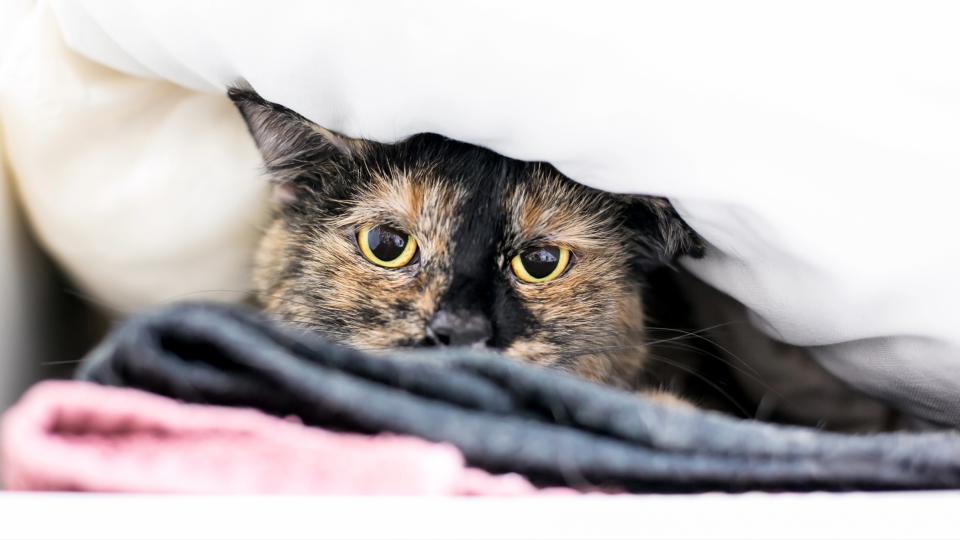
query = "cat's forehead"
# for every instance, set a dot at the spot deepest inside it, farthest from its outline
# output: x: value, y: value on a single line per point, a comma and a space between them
x: 445, y: 188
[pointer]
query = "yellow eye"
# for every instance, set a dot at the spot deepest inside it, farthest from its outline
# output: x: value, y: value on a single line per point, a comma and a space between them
x: 541, y: 264
x: 385, y: 246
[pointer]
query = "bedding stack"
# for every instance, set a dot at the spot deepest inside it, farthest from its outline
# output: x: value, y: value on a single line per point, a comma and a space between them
x: 204, y: 398
x: 76, y: 436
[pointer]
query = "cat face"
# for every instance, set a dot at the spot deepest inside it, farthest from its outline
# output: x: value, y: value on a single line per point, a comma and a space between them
x: 432, y: 242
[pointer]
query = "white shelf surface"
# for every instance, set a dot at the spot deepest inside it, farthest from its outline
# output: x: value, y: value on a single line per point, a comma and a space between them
x: 753, y: 515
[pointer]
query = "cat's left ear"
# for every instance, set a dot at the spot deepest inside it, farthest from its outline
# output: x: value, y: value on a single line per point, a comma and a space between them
x: 300, y: 156
x: 663, y: 235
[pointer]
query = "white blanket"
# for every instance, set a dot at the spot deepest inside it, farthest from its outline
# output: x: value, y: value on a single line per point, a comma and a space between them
x: 815, y: 146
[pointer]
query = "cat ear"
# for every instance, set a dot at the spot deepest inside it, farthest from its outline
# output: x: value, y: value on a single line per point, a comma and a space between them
x: 664, y: 235
x: 299, y: 155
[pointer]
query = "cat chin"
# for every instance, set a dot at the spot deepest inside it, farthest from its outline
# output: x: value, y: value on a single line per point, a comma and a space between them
x: 434, y: 354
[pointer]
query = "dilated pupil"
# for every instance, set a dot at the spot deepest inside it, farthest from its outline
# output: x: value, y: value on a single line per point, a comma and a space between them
x: 386, y: 243
x: 540, y: 262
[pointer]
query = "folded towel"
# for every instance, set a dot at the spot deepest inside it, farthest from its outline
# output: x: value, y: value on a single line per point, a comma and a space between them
x: 503, y: 415
x: 75, y: 436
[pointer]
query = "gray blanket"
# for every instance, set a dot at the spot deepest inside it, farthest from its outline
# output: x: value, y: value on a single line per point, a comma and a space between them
x: 503, y: 415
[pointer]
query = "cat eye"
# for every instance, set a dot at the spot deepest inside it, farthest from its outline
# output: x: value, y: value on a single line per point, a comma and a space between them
x: 386, y: 246
x: 541, y: 264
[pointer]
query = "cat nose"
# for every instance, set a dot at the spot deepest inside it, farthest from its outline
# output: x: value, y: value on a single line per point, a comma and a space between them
x: 458, y: 328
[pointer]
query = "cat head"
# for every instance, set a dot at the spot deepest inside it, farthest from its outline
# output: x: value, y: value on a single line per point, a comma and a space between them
x: 433, y: 242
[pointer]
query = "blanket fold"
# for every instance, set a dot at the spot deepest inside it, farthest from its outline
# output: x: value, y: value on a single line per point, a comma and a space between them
x: 504, y: 416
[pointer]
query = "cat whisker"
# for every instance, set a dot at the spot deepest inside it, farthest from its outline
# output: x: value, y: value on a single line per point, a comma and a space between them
x: 747, y: 369
x: 699, y: 335
x: 248, y: 292
x: 706, y: 380
x: 93, y: 300
x: 61, y: 363
x: 753, y: 374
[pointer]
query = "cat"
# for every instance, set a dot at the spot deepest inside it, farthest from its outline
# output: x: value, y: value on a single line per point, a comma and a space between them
x: 435, y: 242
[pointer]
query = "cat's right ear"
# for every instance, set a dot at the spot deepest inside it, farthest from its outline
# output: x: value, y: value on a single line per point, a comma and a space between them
x: 300, y: 156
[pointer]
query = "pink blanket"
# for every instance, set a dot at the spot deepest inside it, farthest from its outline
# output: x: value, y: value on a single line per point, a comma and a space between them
x: 72, y: 436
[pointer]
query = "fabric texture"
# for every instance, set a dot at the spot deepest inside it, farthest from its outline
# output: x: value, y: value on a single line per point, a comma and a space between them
x: 503, y: 415
x: 821, y: 171
x: 74, y: 436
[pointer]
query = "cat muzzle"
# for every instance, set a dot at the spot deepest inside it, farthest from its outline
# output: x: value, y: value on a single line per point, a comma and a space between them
x: 458, y: 329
